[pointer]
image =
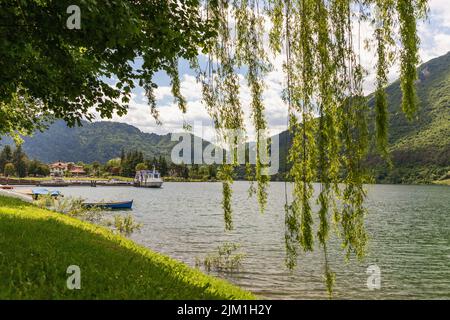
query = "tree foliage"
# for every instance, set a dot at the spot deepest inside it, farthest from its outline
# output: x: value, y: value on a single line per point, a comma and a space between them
x: 16, y: 162
x: 50, y: 71
x: 130, y: 161
x: 20, y: 162
x: 10, y: 170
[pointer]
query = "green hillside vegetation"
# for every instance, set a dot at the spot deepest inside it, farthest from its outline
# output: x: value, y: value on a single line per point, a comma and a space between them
x: 98, y: 141
x: 37, y: 246
x: 420, y: 149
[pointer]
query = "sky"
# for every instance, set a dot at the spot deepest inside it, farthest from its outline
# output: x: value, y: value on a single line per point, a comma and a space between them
x: 435, y: 41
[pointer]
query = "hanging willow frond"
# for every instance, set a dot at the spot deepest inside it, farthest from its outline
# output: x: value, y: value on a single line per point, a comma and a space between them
x: 383, y: 36
x: 173, y: 73
x: 328, y: 114
x: 251, y: 52
x: 409, y: 57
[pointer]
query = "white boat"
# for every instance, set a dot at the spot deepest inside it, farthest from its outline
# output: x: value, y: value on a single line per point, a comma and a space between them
x: 148, y: 179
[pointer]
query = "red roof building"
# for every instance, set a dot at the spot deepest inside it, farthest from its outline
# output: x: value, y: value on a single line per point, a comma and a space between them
x: 77, y: 171
x: 59, y: 169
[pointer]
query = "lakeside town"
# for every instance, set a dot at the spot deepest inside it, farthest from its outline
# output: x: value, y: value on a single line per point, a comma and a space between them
x: 17, y: 168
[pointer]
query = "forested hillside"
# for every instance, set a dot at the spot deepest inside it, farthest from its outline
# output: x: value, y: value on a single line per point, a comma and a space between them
x: 419, y: 149
x: 98, y: 141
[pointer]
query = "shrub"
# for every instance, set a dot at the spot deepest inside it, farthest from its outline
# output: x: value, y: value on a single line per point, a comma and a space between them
x: 227, y: 259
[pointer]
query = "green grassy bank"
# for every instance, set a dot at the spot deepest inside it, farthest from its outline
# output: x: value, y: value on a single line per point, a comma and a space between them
x: 37, y: 246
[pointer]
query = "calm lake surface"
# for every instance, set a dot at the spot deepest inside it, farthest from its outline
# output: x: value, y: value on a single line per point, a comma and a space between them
x: 409, y: 228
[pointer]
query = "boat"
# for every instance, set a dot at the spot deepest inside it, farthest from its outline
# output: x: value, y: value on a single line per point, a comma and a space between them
x: 6, y: 187
x: 148, y: 179
x: 109, y: 205
x: 36, y: 192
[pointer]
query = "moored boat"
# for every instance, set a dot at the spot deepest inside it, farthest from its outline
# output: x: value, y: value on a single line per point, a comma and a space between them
x: 6, y: 187
x: 109, y: 205
x: 148, y: 179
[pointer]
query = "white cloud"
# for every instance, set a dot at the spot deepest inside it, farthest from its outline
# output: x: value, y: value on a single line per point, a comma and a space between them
x: 440, y: 12
x: 438, y: 44
x: 163, y: 92
x: 435, y: 32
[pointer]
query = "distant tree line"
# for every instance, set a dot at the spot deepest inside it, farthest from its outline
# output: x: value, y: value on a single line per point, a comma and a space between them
x: 16, y: 163
x: 132, y: 161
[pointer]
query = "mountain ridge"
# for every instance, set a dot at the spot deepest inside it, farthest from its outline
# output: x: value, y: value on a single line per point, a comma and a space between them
x: 93, y: 141
x: 419, y: 149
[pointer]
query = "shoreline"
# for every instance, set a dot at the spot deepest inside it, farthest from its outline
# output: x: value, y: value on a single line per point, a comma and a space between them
x: 16, y: 195
x: 102, y: 184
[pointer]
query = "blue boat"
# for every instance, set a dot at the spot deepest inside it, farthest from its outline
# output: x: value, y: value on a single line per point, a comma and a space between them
x: 36, y: 192
x: 110, y: 205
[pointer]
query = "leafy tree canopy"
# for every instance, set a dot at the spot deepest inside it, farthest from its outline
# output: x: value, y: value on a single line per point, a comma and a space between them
x: 48, y: 70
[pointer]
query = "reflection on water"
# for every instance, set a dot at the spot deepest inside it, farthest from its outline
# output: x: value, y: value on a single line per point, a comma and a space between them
x: 409, y: 229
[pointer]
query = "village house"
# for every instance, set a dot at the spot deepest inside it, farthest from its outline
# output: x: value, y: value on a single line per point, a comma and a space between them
x: 60, y: 169
x: 77, y: 171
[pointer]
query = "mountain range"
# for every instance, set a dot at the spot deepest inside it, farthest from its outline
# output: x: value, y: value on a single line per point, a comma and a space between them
x: 93, y: 141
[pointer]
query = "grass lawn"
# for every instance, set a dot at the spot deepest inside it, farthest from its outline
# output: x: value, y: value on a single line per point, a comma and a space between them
x: 37, y: 246
x: 121, y: 178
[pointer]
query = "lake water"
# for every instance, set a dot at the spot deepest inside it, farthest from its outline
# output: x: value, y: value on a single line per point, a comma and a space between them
x: 409, y: 228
